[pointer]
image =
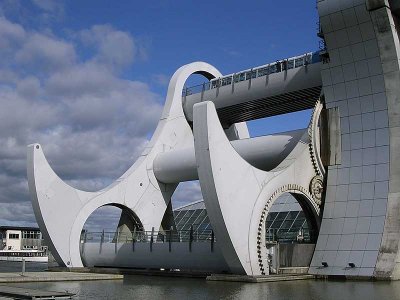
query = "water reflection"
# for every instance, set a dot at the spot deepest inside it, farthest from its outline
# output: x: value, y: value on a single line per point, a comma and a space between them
x: 16, y: 266
x: 152, y: 287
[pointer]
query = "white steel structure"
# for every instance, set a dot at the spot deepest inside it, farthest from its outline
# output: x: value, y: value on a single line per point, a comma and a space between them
x: 344, y: 164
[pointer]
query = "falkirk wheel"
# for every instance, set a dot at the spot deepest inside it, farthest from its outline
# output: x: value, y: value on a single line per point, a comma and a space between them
x: 343, y: 169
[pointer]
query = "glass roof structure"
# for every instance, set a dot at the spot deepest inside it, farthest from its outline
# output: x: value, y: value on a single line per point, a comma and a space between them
x: 193, y: 214
x: 286, y: 221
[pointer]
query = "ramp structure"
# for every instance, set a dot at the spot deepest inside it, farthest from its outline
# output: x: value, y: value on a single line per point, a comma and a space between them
x: 342, y: 169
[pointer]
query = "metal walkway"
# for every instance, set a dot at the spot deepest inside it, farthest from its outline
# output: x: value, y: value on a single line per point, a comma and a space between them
x: 285, y: 86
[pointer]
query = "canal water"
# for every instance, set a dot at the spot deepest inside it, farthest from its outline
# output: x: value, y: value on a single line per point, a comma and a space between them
x: 154, y: 287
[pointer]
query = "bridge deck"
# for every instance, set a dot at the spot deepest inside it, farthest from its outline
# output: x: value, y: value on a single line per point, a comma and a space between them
x: 273, y: 94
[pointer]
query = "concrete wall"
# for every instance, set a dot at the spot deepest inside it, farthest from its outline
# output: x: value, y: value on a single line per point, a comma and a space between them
x: 362, y: 80
x: 139, y: 255
x: 388, y: 265
x: 295, y: 255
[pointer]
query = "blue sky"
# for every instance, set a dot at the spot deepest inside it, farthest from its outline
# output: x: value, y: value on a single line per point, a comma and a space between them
x: 232, y: 35
x: 76, y: 75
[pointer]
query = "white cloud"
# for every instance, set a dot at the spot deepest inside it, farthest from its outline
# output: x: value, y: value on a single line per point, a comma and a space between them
x: 22, y: 210
x: 10, y: 33
x: 105, y: 218
x: 20, y: 116
x: 46, y: 53
x: 29, y: 87
x: 8, y: 76
x: 116, y: 48
x: 81, y: 79
x: 91, y: 123
x: 47, y: 5
x: 49, y: 11
x: 161, y: 79
x: 186, y: 192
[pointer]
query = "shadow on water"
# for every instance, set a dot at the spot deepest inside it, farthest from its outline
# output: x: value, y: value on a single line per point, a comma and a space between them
x: 153, y: 287
x: 16, y: 266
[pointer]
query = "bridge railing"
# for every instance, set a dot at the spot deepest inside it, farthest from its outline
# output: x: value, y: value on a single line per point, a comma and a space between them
x: 165, y: 236
x: 264, y: 70
x: 287, y: 235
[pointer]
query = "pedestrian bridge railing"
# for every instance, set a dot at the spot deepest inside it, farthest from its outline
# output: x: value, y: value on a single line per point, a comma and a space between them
x: 264, y: 70
x: 149, y: 236
x: 272, y: 235
x: 275, y: 235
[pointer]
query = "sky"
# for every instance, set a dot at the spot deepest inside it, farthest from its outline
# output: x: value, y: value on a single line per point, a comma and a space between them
x: 87, y: 80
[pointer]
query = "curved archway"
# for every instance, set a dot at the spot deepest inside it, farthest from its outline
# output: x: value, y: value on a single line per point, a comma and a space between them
x: 285, y: 228
x: 109, y: 223
x: 312, y: 218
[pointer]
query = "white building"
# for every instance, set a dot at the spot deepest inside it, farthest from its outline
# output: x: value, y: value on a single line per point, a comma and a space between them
x: 21, y: 238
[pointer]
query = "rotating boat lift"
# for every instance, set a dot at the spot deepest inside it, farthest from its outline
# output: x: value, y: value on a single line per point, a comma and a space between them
x: 240, y: 178
x: 343, y: 169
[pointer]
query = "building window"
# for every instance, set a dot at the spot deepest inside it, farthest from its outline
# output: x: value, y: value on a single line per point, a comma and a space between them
x: 31, y: 235
x: 14, y: 236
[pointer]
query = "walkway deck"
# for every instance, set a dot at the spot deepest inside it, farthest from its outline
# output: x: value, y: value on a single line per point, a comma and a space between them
x: 55, y: 276
x: 24, y: 293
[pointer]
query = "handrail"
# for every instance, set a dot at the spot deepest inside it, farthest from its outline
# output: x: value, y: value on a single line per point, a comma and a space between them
x: 168, y: 236
x: 264, y: 70
x: 148, y: 236
x: 274, y: 235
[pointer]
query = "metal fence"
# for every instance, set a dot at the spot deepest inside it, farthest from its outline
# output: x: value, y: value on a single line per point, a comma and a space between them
x: 148, y: 236
x: 168, y: 236
x: 288, y: 236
